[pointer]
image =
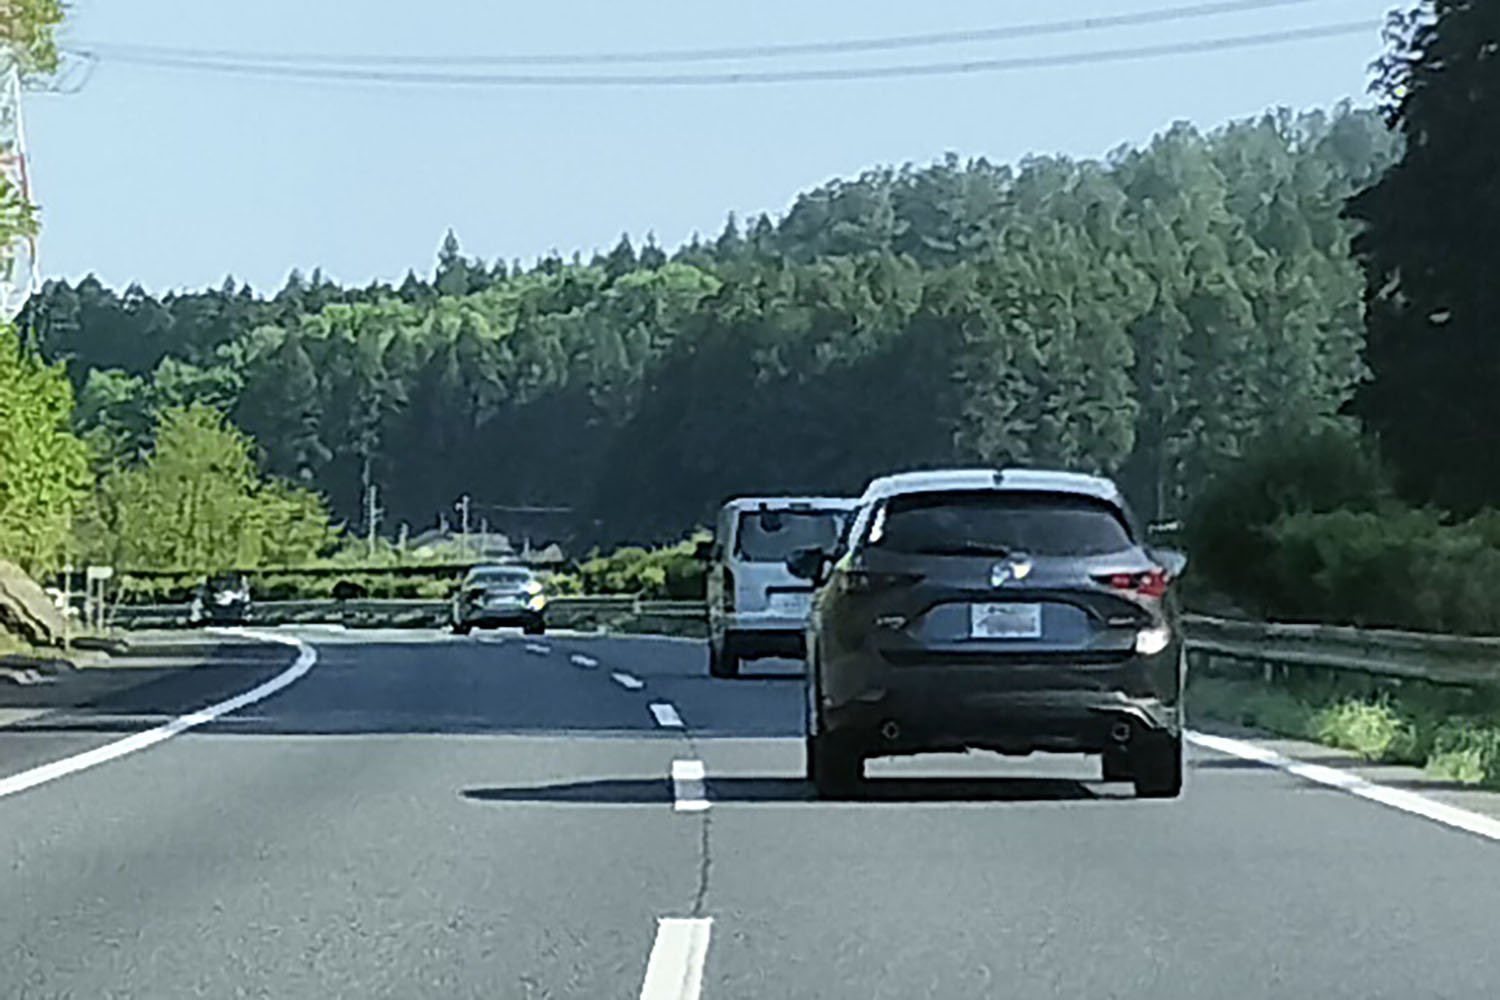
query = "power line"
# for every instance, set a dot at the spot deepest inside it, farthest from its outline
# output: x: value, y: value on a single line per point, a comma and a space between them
x: 334, y: 74
x: 770, y: 51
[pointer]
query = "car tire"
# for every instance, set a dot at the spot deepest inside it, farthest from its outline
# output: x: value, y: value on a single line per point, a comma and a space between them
x: 534, y: 628
x: 834, y: 766
x: 1157, y: 762
x: 1116, y: 764
x: 462, y: 628
x: 722, y: 663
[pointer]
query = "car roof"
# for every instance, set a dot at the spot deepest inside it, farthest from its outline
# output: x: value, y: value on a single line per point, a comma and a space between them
x: 1020, y: 480
x: 787, y: 502
x: 485, y: 570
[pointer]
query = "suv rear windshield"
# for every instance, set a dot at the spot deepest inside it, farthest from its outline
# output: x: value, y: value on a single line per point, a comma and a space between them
x: 996, y: 523
x: 773, y: 535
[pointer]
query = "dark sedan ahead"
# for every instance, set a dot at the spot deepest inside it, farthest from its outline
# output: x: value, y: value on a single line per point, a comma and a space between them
x: 1013, y: 611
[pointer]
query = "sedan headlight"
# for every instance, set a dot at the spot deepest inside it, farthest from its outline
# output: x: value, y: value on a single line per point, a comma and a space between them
x: 537, y: 602
x: 532, y: 587
x: 1150, y: 641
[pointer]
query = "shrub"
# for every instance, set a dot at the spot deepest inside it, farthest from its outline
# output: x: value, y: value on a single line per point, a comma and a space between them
x: 663, y: 574
x: 1324, y: 468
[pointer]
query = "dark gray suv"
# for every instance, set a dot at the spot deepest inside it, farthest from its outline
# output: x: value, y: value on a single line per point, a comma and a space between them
x: 1007, y: 610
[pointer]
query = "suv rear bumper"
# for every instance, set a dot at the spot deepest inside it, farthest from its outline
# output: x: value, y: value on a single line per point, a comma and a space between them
x: 1008, y: 709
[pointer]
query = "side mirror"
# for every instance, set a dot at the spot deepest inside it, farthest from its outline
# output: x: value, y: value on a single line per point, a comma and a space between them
x: 807, y: 564
x: 1174, y: 562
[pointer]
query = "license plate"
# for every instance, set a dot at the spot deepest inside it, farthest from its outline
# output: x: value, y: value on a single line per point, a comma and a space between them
x: 789, y: 604
x: 1007, y: 620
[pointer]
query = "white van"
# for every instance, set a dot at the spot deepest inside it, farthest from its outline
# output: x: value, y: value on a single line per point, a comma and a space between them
x: 756, y: 608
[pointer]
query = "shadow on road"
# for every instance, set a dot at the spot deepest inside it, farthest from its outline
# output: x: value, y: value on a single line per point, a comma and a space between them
x: 771, y: 790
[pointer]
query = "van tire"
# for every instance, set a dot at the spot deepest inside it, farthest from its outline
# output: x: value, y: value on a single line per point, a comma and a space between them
x: 722, y: 663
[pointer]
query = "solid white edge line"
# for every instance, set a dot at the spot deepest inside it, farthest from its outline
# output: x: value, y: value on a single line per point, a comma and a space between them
x: 666, y: 715
x: 628, y: 682
x: 675, y: 969
x: 1396, y: 798
x: 689, y: 786
x: 579, y: 660
x: 306, y: 657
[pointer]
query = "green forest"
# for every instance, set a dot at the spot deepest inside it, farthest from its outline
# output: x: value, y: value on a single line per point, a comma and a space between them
x: 1277, y: 332
x: 1145, y: 316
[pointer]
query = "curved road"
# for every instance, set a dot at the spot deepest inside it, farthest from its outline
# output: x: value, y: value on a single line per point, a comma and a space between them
x: 497, y: 817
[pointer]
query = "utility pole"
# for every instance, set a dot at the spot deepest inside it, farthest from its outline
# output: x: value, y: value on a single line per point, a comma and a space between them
x: 463, y: 507
x: 372, y: 514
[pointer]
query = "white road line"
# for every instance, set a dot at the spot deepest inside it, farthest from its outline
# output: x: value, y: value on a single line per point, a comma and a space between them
x: 628, y: 682
x: 306, y: 657
x: 579, y: 660
x: 538, y: 648
x: 689, y: 786
x: 675, y: 969
x: 1396, y: 798
x: 666, y: 715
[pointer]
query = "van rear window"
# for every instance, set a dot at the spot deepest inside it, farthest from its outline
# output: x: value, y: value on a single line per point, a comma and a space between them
x: 773, y: 535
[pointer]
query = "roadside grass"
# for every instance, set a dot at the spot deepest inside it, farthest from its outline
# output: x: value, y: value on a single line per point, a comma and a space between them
x: 1453, y: 735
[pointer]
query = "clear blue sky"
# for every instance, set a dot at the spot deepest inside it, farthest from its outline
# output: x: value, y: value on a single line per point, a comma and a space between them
x: 175, y: 178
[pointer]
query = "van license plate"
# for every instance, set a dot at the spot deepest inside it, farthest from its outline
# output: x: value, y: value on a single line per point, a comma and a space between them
x: 1007, y: 620
x: 789, y: 603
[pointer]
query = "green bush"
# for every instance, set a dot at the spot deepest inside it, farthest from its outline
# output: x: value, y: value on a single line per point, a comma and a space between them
x: 1394, y: 568
x: 672, y: 573
x: 1454, y: 733
x: 1319, y: 469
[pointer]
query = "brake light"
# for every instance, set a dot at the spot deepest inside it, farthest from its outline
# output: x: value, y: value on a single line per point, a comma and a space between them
x: 1152, y: 583
x: 728, y: 589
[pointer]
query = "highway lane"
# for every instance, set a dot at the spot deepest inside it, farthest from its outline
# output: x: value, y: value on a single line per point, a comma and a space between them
x: 421, y: 816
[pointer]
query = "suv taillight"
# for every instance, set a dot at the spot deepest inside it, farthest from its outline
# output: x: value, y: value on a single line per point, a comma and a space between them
x: 1152, y: 583
x: 728, y: 590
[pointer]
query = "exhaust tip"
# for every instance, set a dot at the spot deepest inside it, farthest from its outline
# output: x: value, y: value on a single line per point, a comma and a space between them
x: 890, y: 730
x: 1120, y: 732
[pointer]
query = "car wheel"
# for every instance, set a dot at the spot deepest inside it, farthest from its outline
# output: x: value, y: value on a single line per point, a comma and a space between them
x: 1157, y: 762
x: 721, y: 662
x: 1116, y: 764
x: 834, y: 766
x: 462, y: 628
x: 534, y: 628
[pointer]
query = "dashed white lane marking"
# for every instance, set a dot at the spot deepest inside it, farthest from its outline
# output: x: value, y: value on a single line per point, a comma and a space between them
x: 689, y: 786
x: 628, y: 682
x: 540, y: 649
x: 306, y: 657
x: 666, y: 715
x: 579, y: 660
x: 1396, y: 798
x: 675, y: 969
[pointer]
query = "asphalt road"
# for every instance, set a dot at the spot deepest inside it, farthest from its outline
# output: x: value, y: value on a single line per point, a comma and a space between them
x: 496, y: 817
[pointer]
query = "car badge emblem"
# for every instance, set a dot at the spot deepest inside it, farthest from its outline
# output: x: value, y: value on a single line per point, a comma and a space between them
x: 1003, y: 573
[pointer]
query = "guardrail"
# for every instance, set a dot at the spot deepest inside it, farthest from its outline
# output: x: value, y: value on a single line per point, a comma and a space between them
x: 1436, y: 659
x: 1468, y: 661
x: 405, y: 613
